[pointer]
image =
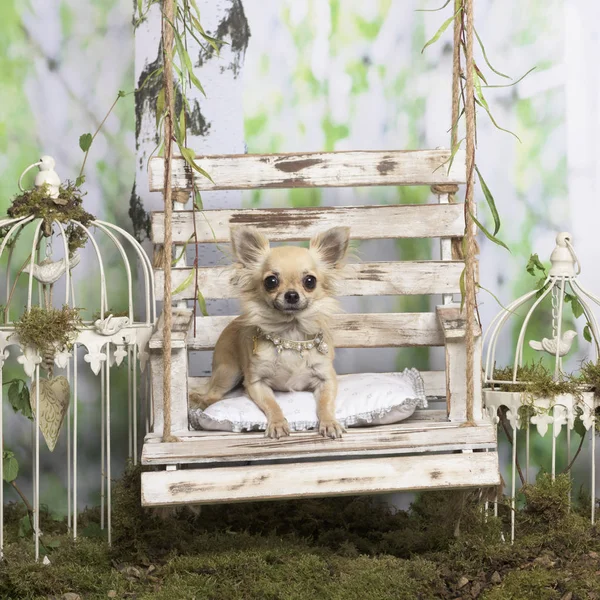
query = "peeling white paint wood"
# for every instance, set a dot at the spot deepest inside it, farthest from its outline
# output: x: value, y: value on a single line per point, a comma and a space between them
x: 312, y: 169
x: 445, y: 247
x: 453, y: 326
x: 361, y: 279
x: 372, y: 330
x: 295, y: 224
x: 454, y: 323
x: 179, y: 389
x: 313, y: 479
x: 456, y: 377
x: 181, y: 324
x: 401, y: 438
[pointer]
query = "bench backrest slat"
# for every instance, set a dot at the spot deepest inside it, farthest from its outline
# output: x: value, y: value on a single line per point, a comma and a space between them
x: 312, y: 169
x: 297, y: 224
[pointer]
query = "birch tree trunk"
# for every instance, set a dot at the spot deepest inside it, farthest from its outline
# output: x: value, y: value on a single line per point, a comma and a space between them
x: 216, y: 122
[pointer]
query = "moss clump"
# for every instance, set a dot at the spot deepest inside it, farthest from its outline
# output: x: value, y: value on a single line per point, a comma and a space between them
x: 44, y: 329
x: 331, y: 549
x: 536, y: 380
x: 36, y: 202
x: 590, y: 375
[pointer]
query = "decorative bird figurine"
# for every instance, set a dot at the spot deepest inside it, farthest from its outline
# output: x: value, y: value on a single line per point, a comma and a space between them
x: 48, y: 176
x: 547, y: 345
x: 49, y: 271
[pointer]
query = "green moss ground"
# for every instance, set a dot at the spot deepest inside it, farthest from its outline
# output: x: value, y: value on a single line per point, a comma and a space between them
x: 341, y: 548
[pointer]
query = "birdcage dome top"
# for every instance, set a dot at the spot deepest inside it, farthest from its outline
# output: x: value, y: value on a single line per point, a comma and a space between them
x: 49, y: 225
x: 564, y: 288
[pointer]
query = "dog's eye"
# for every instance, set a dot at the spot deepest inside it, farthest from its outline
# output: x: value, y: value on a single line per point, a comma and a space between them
x: 271, y: 282
x: 310, y: 282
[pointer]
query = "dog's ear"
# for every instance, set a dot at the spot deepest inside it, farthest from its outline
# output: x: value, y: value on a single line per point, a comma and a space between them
x: 249, y: 245
x: 331, y: 245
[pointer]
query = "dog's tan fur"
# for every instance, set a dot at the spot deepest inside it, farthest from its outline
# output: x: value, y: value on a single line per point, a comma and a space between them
x: 240, y: 357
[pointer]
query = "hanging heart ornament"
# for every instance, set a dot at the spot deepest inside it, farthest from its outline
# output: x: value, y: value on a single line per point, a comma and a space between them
x: 55, y: 394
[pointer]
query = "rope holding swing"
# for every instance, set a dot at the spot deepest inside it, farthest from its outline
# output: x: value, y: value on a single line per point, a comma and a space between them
x: 466, y: 23
x: 167, y: 44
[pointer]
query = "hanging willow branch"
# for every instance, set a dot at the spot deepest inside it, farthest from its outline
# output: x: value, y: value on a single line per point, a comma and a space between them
x: 467, y: 94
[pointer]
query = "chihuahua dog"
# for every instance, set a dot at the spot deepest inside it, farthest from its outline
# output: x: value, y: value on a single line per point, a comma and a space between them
x: 282, y: 340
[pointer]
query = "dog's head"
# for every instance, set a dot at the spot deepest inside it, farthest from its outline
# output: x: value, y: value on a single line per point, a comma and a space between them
x: 288, y: 280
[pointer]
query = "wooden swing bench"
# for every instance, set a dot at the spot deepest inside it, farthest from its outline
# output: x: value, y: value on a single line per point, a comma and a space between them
x: 433, y: 449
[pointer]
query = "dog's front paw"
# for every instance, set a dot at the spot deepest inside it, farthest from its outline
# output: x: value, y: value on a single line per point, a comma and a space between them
x: 197, y: 400
x: 277, y: 429
x: 331, y: 428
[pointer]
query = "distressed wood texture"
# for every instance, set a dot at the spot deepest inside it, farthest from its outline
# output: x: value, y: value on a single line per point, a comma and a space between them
x: 313, y: 479
x: 453, y: 325
x: 362, y: 279
x: 408, y: 437
x: 181, y: 324
x: 296, y: 224
x: 312, y: 169
x: 372, y: 330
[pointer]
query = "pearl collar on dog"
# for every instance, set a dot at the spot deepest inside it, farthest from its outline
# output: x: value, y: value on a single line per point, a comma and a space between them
x: 298, y: 346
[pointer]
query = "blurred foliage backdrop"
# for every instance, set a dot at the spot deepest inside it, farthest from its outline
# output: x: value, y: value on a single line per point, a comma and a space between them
x: 317, y: 75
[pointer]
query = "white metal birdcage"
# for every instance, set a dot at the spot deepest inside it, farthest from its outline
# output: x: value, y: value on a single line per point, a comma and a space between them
x: 563, y: 287
x: 104, y: 343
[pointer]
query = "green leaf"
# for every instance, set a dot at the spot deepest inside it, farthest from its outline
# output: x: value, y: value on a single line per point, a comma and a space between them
x: 494, y: 297
x: 214, y: 42
x: 487, y: 234
x: 535, y: 264
x: 487, y: 110
x: 190, y: 158
x: 182, y: 126
x: 185, y: 284
x: 154, y: 73
x: 490, y: 201
x: 24, y: 526
x: 434, y: 9
x: 463, y: 292
x: 576, y: 307
x: 18, y: 397
x: 202, y: 304
x: 198, y: 199
x: 587, y: 333
x: 450, y: 160
x: 441, y: 30
x: 85, y: 141
x: 80, y: 181
x: 541, y: 284
x: 10, y: 466
x: 180, y: 255
x: 195, y: 7
x: 486, y: 58
x: 186, y: 62
x: 478, y: 92
x: 514, y: 82
x: 481, y: 76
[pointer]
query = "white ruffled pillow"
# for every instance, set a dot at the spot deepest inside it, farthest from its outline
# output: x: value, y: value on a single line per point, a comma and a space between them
x: 363, y: 399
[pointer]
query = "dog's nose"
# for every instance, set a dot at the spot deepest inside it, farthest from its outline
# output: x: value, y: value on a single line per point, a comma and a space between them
x: 292, y: 297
